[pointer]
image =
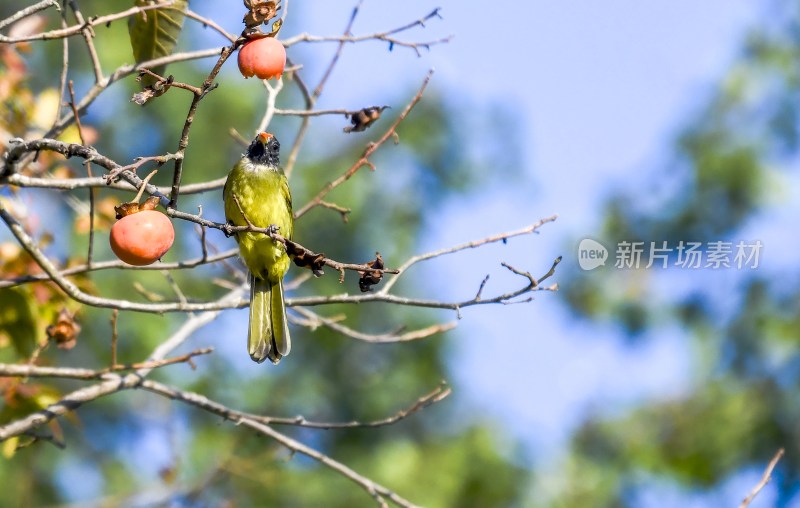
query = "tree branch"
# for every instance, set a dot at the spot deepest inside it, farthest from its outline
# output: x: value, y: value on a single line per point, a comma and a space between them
x: 364, y: 160
x: 80, y: 27
x: 765, y: 478
x: 29, y: 11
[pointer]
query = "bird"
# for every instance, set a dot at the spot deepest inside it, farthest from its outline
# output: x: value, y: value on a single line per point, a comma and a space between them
x: 257, y: 192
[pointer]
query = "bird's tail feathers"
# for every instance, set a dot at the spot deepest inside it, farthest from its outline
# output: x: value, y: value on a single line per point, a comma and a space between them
x: 268, y: 336
x: 281, y: 343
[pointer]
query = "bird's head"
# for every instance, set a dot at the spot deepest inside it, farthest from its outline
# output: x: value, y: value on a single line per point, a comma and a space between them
x: 265, y: 149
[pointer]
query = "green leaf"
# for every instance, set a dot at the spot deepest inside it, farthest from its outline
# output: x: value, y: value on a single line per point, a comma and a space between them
x: 17, y: 320
x: 154, y: 33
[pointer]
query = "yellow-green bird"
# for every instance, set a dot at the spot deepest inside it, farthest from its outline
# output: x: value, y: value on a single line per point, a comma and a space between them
x: 259, y: 185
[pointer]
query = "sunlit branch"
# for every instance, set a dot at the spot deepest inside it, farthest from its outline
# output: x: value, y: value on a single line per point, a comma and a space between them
x: 501, y: 237
x: 378, y: 36
x: 314, y: 320
x: 29, y: 11
x: 81, y: 26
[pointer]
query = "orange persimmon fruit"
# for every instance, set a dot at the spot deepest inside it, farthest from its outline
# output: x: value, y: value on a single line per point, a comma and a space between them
x: 142, y: 235
x: 264, y: 58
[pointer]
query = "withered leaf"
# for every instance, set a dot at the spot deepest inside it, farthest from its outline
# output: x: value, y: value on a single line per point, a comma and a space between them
x: 371, y: 277
x: 260, y: 11
x: 305, y: 258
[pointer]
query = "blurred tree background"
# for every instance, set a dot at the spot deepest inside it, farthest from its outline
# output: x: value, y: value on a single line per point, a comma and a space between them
x: 728, y: 167
x: 732, y: 163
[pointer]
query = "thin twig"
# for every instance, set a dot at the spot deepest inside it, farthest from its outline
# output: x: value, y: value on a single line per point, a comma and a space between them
x: 88, y: 35
x: 210, y: 23
x: 64, y: 66
x: 114, y: 337
x: 312, y: 97
x: 374, y: 489
x: 321, y: 112
x: 143, y: 186
x: 208, y: 85
x: 202, y: 232
x: 47, y: 438
x: 88, y: 164
x: 315, y: 320
x: 82, y: 25
x: 502, y: 237
x: 29, y: 11
x: 120, y: 265
x: 102, y: 182
x: 379, y: 36
x: 364, y: 160
x: 35, y: 371
x: 765, y: 478
x: 438, y: 394
x: 272, y: 96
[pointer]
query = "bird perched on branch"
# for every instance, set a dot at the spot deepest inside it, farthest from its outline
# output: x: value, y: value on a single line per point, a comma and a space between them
x: 257, y: 193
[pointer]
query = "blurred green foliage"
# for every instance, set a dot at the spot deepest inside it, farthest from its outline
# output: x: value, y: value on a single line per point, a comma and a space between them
x: 741, y: 405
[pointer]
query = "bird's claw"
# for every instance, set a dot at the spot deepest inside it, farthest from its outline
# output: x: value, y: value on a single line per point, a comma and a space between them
x: 227, y: 230
x: 273, y: 229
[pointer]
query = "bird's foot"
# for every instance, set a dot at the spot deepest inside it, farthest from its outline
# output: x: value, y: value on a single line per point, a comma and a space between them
x: 227, y: 229
x: 272, y: 229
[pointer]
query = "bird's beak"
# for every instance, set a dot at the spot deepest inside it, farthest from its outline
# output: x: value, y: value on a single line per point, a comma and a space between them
x: 264, y: 137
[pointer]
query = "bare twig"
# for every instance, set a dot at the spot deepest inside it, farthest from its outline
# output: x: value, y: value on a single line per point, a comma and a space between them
x: 114, y: 337
x: 14, y: 370
x: 440, y: 393
x: 374, y: 489
x: 208, y: 85
x: 764, y: 479
x: 143, y: 186
x: 120, y: 265
x: 88, y: 164
x: 379, y: 36
x: 502, y: 237
x: 321, y: 112
x: 74, y: 292
x: 315, y: 320
x: 364, y: 160
x: 210, y: 23
x: 29, y: 11
x: 272, y: 96
x: 123, y: 71
x: 82, y: 25
x: 312, y: 97
x: 202, y: 232
x: 64, y: 66
x: 309, y: 101
x: 37, y: 436
x: 88, y: 35
x: 329, y: 70
x: 102, y: 181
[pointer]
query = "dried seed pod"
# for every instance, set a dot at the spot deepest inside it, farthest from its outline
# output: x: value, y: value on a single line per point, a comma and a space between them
x: 364, y: 118
x: 259, y: 12
x: 371, y: 277
x: 65, y: 330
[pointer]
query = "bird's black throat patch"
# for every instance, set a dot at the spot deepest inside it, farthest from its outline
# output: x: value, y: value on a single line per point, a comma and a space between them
x: 261, y: 153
